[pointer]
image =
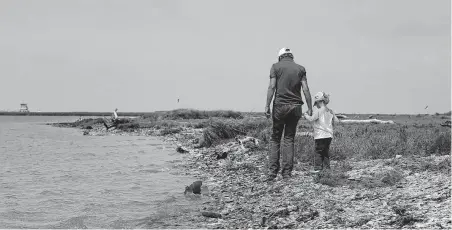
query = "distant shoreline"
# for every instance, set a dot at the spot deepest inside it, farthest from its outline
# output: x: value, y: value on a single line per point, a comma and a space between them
x: 136, y: 114
x: 82, y: 114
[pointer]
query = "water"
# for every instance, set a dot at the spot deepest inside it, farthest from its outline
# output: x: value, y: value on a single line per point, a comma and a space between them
x: 57, y: 178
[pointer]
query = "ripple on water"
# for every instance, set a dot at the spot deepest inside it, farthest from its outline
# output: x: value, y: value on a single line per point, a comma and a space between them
x: 108, y: 191
x: 97, y: 176
x: 118, y: 173
x: 10, y: 196
x: 22, y: 215
x: 74, y: 222
x: 149, y: 171
x: 135, y: 203
x: 92, y: 207
x: 49, y: 193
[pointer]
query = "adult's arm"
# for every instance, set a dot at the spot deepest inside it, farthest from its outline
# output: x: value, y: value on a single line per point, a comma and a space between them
x: 270, y: 91
x: 307, y: 93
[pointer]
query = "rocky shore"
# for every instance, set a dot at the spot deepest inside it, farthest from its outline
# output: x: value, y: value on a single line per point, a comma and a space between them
x: 399, y: 192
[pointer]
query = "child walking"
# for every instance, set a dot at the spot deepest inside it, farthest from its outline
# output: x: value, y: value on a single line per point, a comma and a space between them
x: 323, y: 119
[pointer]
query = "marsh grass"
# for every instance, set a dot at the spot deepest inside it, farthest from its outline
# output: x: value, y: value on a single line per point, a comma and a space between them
x: 219, y: 129
x: 185, y: 114
x: 169, y: 131
x: 416, y: 164
x: 337, y: 177
x: 350, y: 142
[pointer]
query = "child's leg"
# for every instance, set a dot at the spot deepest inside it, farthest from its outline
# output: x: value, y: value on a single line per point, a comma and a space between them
x: 326, y: 153
x: 318, y: 156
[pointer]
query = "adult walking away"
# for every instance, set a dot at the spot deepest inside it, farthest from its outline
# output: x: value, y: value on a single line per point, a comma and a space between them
x: 287, y: 78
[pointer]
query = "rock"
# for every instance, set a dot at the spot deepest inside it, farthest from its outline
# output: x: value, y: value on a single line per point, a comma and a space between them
x: 211, y: 214
x: 224, y: 212
x: 308, y: 215
x: 281, y: 212
x: 85, y: 132
x: 181, y: 149
x: 292, y: 208
x: 263, y: 221
x: 195, y: 188
x: 222, y: 155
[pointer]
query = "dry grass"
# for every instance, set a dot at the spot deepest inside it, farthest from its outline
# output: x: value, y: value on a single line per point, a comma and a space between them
x: 219, y: 129
x: 186, y: 114
x: 359, y: 142
x: 351, y: 141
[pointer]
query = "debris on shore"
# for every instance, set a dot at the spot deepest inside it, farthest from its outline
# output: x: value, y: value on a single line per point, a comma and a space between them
x: 390, y: 184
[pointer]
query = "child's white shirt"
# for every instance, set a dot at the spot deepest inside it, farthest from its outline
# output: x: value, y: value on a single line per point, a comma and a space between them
x: 322, y: 120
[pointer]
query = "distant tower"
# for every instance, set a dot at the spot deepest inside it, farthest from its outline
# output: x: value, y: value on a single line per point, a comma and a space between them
x: 23, y: 108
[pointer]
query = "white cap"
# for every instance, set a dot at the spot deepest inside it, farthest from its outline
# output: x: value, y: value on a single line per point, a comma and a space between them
x: 321, y: 96
x: 284, y: 50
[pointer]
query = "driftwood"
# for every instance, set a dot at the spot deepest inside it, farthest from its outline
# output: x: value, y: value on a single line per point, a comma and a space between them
x: 245, y: 140
x: 341, y: 116
x: 446, y: 124
x: 372, y: 121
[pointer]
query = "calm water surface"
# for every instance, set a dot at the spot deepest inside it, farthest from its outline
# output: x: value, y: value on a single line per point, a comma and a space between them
x: 57, y: 178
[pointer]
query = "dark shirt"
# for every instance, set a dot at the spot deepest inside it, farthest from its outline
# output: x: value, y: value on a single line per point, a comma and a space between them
x: 288, y: 76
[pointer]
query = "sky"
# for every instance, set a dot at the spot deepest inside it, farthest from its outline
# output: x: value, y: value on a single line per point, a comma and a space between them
x: 371, y: 56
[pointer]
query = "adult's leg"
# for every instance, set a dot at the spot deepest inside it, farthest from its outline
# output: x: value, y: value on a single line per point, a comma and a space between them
x: 289, y: 142
x: 278, y: 127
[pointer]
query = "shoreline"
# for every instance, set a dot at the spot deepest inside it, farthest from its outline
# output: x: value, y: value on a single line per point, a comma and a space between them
x: 357, y: 194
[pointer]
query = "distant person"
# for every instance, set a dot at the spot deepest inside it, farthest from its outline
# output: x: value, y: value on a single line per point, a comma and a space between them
x: 115, y: 115
x: 114, y: 120
x: 323, y: 119
x: 287, y: 79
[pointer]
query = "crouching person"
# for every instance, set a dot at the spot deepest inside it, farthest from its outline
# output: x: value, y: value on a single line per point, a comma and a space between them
x: 323, y: 119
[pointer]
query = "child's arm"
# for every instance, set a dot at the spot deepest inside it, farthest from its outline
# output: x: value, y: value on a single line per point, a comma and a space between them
x: 335, y: 119
x: 315, y: 116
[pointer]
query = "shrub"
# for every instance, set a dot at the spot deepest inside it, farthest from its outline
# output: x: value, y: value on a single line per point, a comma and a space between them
x: 128, y: 126
x: 168, y: 131
x: 441, y: 144
x: 186, y: 114
x: 220, y: 129
x: 391, y: 177
x: 443, y: 166
x: 87, y: 122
